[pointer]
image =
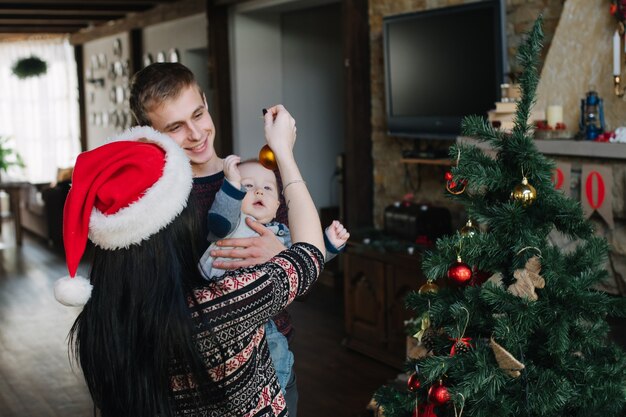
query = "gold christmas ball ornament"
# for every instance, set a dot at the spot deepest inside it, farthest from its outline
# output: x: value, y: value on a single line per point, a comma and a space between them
x: 429, y: 288
x: 469, y: 230
x: 267, y: 158
x: 524, y: 193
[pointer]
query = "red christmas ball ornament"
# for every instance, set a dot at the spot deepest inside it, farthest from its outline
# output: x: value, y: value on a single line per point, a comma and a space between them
x: 448, y: 176
x: 460, y: 272
x: 267, y: 158
x: 425, y: 410
x: 414, y: 383
x: 438, y: 394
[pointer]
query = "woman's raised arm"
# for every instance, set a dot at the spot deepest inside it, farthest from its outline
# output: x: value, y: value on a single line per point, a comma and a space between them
x: 304, y: 222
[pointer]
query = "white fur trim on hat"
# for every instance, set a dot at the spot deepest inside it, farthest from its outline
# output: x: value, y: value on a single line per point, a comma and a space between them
x: 148, y: 215
x: 72, y: 292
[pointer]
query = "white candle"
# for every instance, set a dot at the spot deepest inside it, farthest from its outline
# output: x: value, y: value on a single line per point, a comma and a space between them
x: 616, y: 54
x: 554, y: 115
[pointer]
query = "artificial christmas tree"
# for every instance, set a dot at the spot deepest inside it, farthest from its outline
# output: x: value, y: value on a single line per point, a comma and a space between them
x: 531, y: 340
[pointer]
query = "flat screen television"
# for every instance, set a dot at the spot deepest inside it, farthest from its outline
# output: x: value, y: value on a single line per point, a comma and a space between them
x: 442, y: 65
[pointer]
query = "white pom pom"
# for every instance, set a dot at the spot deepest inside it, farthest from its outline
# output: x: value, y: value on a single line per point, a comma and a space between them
x: 72, y: 292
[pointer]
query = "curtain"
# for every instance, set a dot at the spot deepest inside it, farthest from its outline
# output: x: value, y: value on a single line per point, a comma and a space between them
x: 40, y: 114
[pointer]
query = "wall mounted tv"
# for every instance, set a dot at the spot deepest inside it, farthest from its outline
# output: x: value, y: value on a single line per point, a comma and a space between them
x: 442, y: 65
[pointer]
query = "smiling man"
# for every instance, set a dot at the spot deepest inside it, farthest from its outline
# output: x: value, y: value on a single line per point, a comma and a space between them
x: 167, y: 97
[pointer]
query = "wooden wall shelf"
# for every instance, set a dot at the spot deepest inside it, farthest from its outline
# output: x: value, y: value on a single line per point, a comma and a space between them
x: 426, y: 161
x: 571, y: 148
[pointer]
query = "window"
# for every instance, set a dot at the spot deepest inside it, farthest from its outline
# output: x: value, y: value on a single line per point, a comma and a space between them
x: 40, y: 113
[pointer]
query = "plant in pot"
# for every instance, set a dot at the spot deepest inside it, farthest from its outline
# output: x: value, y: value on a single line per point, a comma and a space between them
x: 8, y: 156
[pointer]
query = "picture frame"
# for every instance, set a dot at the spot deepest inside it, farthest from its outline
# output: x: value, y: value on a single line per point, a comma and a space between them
x: 117, y: 47
x: 173, y: 55
x: 147, y: 59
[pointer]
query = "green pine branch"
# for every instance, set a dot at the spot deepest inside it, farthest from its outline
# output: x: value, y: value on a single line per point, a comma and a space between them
x: 561, y: 337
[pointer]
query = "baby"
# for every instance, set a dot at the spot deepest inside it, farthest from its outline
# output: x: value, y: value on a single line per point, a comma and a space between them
x: 250, y: 190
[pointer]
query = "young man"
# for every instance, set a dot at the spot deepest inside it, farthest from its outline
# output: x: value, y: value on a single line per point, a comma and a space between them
x: 167, y: 97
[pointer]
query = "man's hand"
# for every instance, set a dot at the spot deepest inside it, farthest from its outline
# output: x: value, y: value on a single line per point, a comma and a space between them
x: 249, y: 250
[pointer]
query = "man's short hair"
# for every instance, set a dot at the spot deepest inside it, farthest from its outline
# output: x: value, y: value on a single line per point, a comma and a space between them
x: 155, y: 84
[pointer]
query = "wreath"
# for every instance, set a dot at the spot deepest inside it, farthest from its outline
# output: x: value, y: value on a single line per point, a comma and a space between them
x: 29, y: 67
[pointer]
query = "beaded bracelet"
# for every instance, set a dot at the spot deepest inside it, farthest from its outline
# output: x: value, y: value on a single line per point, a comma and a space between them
x: 292, y: 182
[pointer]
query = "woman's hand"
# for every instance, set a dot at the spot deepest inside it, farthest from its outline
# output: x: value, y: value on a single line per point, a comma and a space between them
x: 280, y: 131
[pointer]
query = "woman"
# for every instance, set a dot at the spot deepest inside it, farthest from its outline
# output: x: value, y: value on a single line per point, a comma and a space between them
x: 154, y: 339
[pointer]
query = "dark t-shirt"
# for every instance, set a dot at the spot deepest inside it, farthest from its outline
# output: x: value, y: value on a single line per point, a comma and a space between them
x: 204, y: 190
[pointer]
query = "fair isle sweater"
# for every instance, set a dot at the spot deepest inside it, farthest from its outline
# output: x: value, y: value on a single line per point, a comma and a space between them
x: 204, y: 190
x: 236, y: 309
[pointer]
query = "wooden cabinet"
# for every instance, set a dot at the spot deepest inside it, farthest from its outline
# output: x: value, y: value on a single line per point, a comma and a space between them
x: 375, y: 286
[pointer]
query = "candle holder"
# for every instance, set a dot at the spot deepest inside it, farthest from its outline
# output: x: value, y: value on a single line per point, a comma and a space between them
x: 618, y: 89
x: 617, y: 86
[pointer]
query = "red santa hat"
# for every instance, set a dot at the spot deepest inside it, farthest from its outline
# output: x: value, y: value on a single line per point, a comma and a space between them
x: 122, y: 192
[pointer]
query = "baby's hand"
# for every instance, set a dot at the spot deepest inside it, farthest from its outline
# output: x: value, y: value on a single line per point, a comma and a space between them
x: 231, y: 171
x: 337, y: 234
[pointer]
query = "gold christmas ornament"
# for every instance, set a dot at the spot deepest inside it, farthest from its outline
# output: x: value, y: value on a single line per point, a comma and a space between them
x: 428, y: 288
x: 267, y: 158
x: 524, y: 193
x: 528, y: 279
x: 469, y: 230
x: 506, y: 361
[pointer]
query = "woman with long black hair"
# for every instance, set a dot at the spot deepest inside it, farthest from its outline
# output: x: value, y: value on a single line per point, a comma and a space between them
x: 154, y: 338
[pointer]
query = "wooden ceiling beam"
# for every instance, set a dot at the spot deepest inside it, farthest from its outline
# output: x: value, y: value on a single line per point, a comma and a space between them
x: 38, y: 29
x: 59, y: 17
x: 57, y: 9
x: 102, y: 4
x: 158, y: 14
x: 59, y: 21
x: 50, y: 12
x: 89, y: 19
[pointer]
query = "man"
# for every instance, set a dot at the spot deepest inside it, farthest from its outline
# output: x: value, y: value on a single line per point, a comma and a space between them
x: 167, y: 97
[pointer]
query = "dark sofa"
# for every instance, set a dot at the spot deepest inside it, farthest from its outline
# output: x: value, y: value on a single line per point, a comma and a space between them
x: 41, y: 210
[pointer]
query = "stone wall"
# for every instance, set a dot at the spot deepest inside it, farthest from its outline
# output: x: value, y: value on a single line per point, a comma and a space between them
x: 577, y: 56
x: 575, y: 63
x: 391, y: 179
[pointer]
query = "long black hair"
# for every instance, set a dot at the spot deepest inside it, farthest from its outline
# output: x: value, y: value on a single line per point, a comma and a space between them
x: 137, y: 322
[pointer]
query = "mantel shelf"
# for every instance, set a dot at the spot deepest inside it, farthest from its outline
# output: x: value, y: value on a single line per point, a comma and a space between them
x: 571, y: 148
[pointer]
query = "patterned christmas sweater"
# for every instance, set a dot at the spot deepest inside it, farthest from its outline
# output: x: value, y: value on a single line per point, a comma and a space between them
x: 235, y: 351
x: 204, y: 190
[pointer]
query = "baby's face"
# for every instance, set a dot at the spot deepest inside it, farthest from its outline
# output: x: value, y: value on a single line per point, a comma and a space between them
x: 261, y: 200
